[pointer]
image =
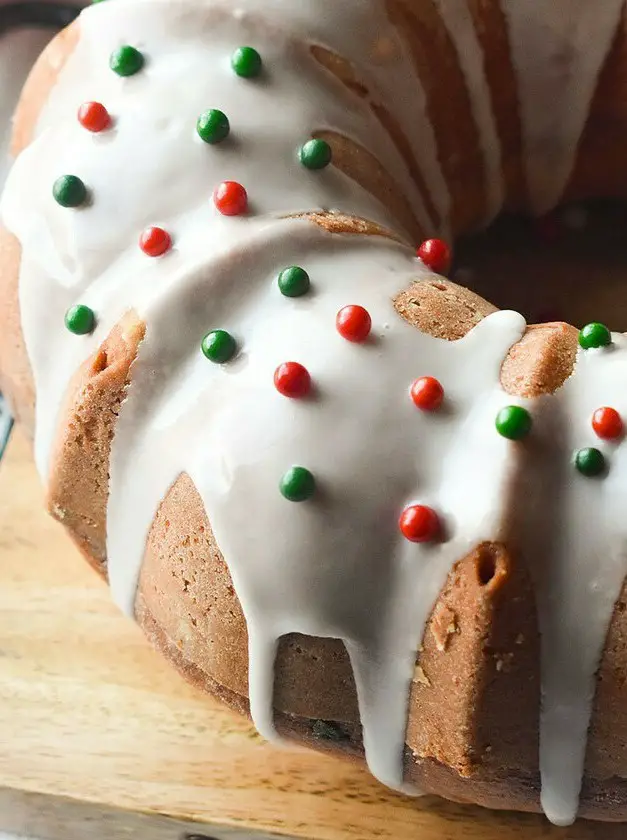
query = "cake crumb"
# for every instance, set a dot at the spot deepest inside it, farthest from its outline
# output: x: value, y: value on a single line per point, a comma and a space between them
x: 421, y: 677
x: 520, y: 639
x: 443, y: 626
x: 503, y: 661
x: 58, y: 512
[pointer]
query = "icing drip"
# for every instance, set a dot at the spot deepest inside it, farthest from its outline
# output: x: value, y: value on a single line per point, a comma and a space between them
x: 239, y: 437
x: 558, y: 50
x: 336, y: 565
x: 459, y: 23
x: 577, y: 555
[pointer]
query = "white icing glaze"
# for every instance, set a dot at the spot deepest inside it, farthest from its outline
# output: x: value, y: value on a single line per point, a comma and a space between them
x: 458, y: 20
x: 293, y: 565
x: 235, y: 437
x: 577, y: 554
x: 558, y: 50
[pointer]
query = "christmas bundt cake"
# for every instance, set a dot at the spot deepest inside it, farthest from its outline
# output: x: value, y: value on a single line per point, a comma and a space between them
x: 336, y: 490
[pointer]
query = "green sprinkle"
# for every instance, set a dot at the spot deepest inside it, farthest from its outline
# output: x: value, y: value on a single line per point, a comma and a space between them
x: 69, y: 191
x: 219, y: 346
x: 246, y: 62
x: 80, y: 320
x: 213, y: 126
x: 297, y: 484
x: 594, y: 335
x: 513, y: 422
x: 590, y: 462
x: 315, y: 154
x: 294, y: 281
x: 327, y: 730
x: 126, y: 61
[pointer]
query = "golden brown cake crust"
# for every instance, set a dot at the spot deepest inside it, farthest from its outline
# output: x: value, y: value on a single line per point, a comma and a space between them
x: 479, y: 658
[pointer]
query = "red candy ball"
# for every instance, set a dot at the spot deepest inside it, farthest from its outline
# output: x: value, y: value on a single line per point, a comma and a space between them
x: 427, y: 393
x: 230, y: 198
x: 607, y: 423
x: 155, y: 241
x: 353, y: 323
x: 94, y: 116
x: 419, y: 523
x: 292, y: 380
x: 436, y: 255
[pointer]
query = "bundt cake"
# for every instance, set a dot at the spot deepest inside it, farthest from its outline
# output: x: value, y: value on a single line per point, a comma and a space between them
x: 338, y: 491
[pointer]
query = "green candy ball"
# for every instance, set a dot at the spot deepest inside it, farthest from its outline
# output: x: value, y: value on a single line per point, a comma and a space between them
x: 246, y: 62
x: 513, y: 422
x: 594, y: 335
x: 80, y: 319
x: 298, y: 484
x: 126, y: 61
x: 590, y: 462
x: 69, y: 191
x: 218, y: 346
x: 294, y: 281
x: 213, y: 126
x: 315, y: 154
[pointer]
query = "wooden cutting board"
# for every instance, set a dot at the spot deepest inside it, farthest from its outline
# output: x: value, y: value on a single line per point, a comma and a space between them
x: 101, y: 739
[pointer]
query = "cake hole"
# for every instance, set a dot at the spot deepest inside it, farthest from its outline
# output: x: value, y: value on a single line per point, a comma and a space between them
x: 486, y: 567
x: 552, y: 269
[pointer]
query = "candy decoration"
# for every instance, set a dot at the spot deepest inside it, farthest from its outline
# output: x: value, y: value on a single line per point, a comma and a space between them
x: 353, y: 323
x: 246, y: 62
x: 297, y: 484
x: 419, y: 523
x: 126, y: 61
x: 427, y: 393
x: 292, y: 380
x: 315, y: 154
x: 294, y: 281
x: 80, y: 320
x: 69, y: 191
x: 590, y: 462
x: 94, y: 117
x: 436, y: 255
x: 213, y: 126
x: 155, y: 241
x: 230, y: 198
x: 513, y: 422
x: 594, y: 335
x: 607, y: 423
x: 218, y: 346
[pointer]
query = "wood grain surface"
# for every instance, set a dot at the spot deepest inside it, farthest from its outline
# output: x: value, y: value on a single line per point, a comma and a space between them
x: 99, y: 738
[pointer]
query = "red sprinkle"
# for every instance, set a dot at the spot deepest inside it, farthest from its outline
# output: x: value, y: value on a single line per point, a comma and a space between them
x: 436, y: 255
x: 353, y: 323
x: 155, y: 241
x: 292, y: 380
x: 94, y: 117
x: 607, y: 423
x: 419, y: 523
x: 427, y: 393
x: 230, y: 198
